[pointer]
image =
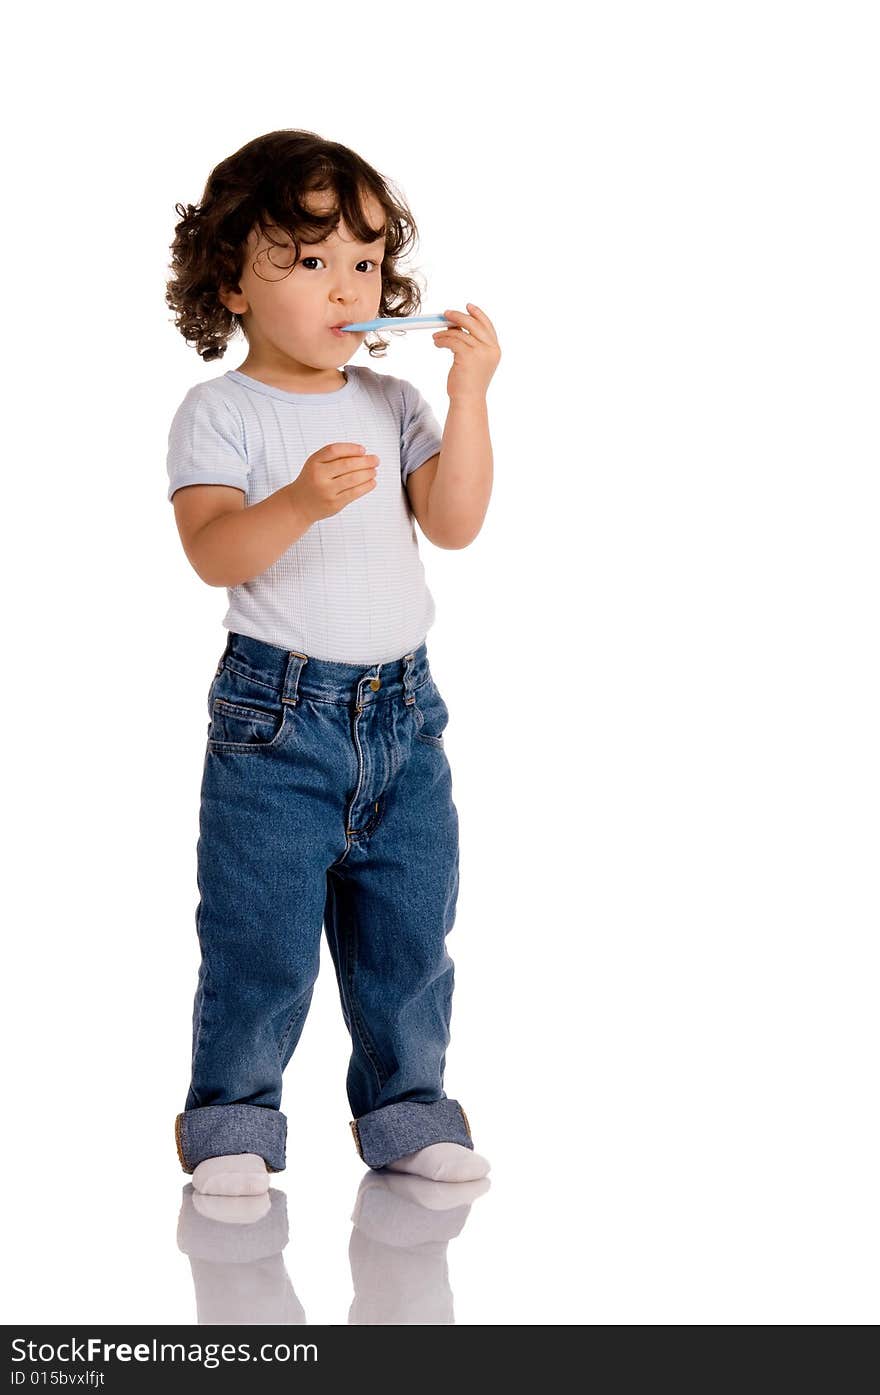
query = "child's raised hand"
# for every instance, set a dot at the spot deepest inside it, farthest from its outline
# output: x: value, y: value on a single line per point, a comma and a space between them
x: 474, y: 344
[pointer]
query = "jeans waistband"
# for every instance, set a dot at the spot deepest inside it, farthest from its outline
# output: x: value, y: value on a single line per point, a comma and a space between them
x: 296, y: 675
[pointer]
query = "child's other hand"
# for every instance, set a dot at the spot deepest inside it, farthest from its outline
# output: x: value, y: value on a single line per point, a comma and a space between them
x: 474, y: 344
x: 333, y: 477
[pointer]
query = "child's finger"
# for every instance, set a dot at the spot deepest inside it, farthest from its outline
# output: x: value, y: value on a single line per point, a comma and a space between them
x: 474, y: 327
x: 457, y: 339
x: 481, y: 316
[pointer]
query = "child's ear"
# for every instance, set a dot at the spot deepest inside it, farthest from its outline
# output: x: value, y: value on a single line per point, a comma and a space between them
x: 233, y: 299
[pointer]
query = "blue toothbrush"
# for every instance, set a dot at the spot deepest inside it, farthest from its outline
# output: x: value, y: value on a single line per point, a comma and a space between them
x: 402, y: 322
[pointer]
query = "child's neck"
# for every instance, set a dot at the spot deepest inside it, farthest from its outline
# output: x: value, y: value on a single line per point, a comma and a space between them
x: 272, y: 377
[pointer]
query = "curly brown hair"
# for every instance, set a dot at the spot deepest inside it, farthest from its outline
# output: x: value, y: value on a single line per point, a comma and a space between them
x: 263, y: 184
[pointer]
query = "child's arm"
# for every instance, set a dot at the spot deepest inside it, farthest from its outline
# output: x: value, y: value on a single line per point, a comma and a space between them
x: 228, y: 544
x: 450, y: 494
x: 455, y: 500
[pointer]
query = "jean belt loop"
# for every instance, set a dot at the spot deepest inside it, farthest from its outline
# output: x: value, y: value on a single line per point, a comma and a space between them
x: 408, y: 695
x: 295, y: 664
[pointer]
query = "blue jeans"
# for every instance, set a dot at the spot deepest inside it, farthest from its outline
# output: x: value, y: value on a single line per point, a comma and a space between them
x: 326, y: 798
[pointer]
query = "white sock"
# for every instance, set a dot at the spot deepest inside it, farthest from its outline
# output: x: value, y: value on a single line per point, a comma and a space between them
x: 233, y: 1174
x: 443, y: 1162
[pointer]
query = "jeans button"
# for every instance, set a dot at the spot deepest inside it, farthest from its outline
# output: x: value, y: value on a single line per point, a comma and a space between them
x: 375, y: 684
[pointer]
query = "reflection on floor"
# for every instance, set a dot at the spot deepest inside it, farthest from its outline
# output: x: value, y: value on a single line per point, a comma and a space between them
x: 397, y: 1252
x: 402, y: 1226
x: 235, y: 1255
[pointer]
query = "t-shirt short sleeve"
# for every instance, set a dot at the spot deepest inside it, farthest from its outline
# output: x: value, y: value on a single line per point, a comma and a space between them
x: 205, y: 443
x: 420, y: 433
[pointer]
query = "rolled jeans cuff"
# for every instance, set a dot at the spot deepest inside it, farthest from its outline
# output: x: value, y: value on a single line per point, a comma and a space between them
x: 389, y: 1133
x: 216, y: 1130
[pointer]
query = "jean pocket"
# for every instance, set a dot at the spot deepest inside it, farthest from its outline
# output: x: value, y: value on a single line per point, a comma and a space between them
x: 431, y: 714
x: 247, y: 715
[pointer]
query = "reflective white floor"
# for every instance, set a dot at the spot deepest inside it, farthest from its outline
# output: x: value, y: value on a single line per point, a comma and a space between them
x: 348, y: 1245
x: 401, y: 1230
x: 669, y: 1220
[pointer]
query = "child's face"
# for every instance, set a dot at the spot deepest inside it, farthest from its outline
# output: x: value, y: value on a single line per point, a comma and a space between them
x: 287, y: 314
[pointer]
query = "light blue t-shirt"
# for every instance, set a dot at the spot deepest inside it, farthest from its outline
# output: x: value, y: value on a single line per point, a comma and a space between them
x: 352, y: 589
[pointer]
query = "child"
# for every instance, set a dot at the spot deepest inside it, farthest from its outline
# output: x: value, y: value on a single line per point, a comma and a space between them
x: 326, y: 792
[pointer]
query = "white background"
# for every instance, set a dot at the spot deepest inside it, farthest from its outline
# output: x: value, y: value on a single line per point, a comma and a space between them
x: 660, y: 654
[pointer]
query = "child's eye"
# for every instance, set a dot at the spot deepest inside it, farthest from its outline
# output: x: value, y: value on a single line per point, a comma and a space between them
x: 366, y: 261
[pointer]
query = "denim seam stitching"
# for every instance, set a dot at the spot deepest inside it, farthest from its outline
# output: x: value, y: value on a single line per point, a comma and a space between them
x: 179, y: 1141
x: 232, y: 667
x: 256, y: 714
x: 364, y: 1037
x: 251, y: 748
x: 201, y: 1022
x: 435, y: 741
x: 295, y: 1016
x: 360, y: 776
